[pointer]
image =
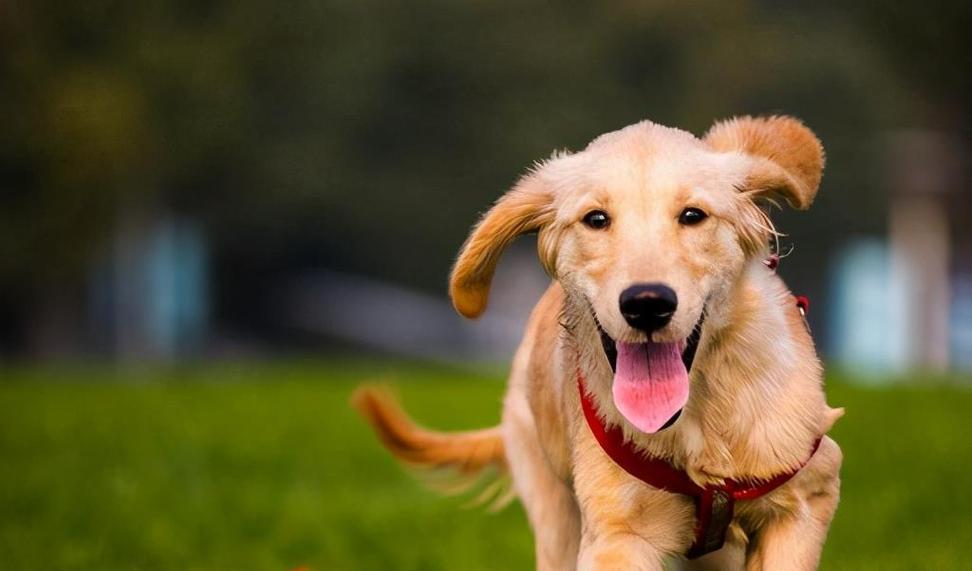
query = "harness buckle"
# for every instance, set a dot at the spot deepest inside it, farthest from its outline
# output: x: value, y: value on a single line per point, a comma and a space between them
x: 714, y: 509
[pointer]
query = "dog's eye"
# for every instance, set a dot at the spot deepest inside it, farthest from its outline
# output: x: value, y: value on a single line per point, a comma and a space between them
x: 597, y: 219
x: 691, y: 216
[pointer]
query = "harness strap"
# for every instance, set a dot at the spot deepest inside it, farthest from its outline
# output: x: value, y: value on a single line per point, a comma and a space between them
x: 714, y: 505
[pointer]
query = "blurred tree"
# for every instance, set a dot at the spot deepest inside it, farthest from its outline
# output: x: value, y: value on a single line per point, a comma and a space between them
x: 108, y: 106
x: 366, y: 135
x: 928, y: 44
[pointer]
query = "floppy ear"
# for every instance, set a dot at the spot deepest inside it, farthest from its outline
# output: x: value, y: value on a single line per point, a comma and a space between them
x: 524, y: 209
x: 788, y: 157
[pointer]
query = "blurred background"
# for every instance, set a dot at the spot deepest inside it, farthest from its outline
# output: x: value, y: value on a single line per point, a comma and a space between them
x: 272, y: 193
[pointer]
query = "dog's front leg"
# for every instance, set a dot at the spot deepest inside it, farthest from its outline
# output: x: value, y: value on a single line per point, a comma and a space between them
x: 793, y: 540
x: 627, y: 525
x: 618, y: 551
x: 793, y: 543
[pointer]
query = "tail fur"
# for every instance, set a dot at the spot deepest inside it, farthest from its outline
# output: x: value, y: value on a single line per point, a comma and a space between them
x: 451, y: 462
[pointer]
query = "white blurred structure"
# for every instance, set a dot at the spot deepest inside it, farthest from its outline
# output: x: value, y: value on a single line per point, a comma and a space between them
x: 894, y: 308
x: 868, y: 333
x: 149, y: 297
x: 386, y: 317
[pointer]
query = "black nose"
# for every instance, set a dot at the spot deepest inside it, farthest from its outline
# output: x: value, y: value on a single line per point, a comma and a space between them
x: 648, y: 307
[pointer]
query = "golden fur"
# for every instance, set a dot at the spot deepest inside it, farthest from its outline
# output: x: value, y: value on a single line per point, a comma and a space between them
x: 756, y: 400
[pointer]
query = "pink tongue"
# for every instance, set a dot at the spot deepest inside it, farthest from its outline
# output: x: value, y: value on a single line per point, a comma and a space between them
x: 650, y: 383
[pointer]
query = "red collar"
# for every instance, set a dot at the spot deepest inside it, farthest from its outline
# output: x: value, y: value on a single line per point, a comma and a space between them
x: 713, y: 504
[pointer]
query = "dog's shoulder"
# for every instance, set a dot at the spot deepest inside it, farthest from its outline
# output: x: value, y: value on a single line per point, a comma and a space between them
x: 546, y: 381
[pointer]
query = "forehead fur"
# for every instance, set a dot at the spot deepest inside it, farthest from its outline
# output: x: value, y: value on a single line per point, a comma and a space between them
x: 647, y: 156
x: 644, y: 136
x: 647, y: 163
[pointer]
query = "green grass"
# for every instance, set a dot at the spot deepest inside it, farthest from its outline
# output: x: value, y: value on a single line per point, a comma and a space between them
x: 265, y: 467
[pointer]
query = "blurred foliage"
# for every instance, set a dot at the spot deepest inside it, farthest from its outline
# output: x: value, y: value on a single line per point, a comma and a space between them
x: 366, y: 135
x: 928, y: 43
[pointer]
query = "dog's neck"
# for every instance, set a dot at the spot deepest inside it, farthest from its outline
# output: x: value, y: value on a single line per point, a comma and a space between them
x: 756, y: 401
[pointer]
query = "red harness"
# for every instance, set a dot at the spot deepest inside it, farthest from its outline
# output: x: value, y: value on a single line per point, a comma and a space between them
x: 714, y: 505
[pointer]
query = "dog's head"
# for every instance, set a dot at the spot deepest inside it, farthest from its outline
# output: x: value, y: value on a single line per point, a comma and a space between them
x: 644, y: 229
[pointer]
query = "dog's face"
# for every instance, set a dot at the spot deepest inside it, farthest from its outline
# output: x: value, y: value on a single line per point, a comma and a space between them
x: 644, y: 229
x: 648, y: 224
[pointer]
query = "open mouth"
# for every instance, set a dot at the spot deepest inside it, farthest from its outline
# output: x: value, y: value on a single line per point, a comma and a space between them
x: 650, y: 385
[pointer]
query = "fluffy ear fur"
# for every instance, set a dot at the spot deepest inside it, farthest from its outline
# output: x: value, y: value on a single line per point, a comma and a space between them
x: 524, y: 209
x: 789, y: 158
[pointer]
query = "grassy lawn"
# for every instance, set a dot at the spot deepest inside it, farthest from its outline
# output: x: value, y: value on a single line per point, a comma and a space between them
x: 265, y: 467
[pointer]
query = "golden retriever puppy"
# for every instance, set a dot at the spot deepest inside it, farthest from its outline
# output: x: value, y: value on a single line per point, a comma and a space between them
x: 666, y: 403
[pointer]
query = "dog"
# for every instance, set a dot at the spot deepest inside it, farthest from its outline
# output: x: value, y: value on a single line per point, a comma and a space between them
x: 666, y: 403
